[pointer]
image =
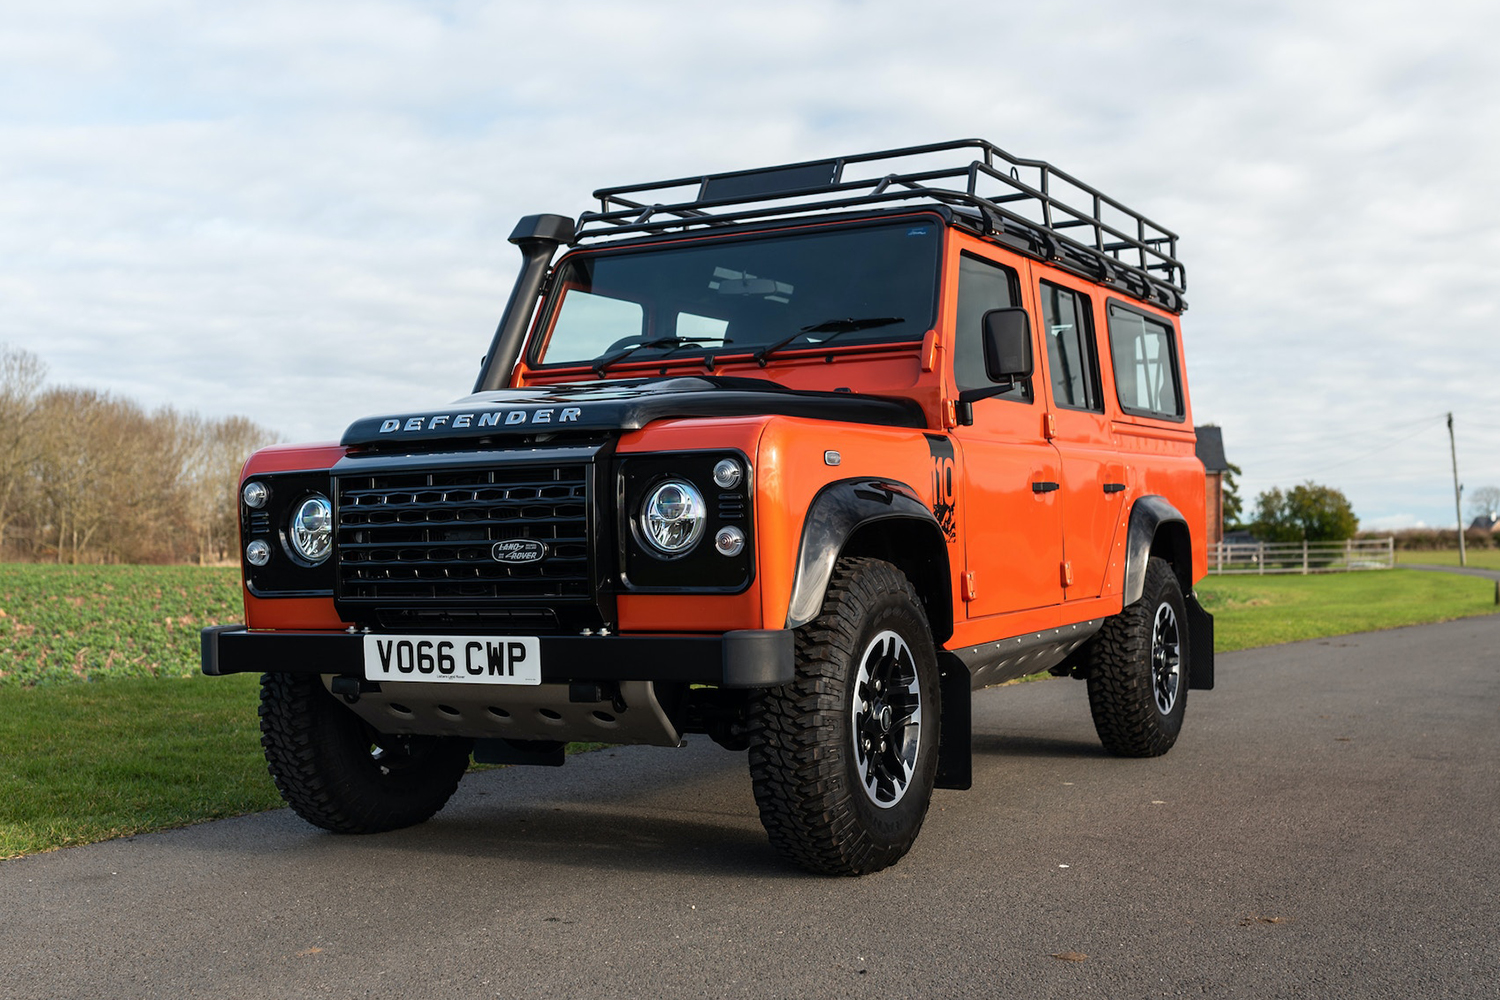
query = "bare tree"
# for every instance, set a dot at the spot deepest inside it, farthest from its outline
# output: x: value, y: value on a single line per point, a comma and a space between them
x: 90, y: 477
x: 146, y: 472
x: 213, y: 481
x: 72, y: 480
x: 1484, y: 502
x: 21, y: 375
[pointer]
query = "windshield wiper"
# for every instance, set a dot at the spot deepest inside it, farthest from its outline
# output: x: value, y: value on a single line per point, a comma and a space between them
x: 835, y: 327
x: 672, y: 342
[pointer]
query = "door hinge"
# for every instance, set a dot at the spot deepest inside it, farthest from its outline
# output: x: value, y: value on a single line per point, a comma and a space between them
x: 969, y: 592
x: 1067, y: 573
x: 1049, y: 426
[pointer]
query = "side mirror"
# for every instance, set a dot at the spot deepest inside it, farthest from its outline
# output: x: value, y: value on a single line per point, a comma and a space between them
x: 1007, y: 358
x: 1007, y: 345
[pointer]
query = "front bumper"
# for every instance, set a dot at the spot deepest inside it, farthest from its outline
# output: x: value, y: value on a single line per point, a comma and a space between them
x: 746, y: 658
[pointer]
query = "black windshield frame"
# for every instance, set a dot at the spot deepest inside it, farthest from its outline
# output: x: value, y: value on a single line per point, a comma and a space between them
x: 780, y: 281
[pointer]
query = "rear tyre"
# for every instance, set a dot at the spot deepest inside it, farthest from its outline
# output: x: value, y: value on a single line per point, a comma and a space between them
x: 1138, y: 670
x: 338, y: 773
x: 844, y: 757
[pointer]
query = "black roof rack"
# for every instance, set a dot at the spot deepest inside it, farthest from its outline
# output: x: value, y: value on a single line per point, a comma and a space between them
x: 1028, y: 204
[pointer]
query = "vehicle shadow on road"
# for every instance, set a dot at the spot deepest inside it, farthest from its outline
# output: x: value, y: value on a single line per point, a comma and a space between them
x: 1000, y: 745
x: 675, y: 837
x: 687, y: 811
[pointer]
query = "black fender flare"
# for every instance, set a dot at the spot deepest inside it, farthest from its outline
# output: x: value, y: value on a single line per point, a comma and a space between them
x: 1156, y: 526
x: 843, y: 509
x: 1149, y: 515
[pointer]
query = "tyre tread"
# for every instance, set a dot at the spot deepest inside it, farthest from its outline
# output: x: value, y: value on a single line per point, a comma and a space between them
x: 1119, y: 680
x: 800, y: 787
x: 312, y: 748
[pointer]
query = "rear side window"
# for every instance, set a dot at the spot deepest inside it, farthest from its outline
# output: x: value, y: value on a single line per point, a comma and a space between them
x: 1145, y: 362
x: 1070, y: 349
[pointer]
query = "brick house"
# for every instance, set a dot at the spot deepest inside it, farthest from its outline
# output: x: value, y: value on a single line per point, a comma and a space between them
x: 1210, y: 450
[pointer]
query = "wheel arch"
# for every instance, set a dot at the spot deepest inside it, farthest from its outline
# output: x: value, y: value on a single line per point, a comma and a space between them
x: 1156, y: 529
x: 1159, y: 529
x: 882, y: 519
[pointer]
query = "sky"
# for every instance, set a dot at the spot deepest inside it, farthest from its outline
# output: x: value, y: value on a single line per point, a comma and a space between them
x: 298, y: 211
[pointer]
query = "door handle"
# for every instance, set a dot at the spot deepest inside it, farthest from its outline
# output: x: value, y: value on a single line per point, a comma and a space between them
x: 1114, y: 487
x: 1044, y: 487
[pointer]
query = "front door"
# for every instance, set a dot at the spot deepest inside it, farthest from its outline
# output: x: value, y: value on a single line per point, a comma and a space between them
x: 1012, y: 474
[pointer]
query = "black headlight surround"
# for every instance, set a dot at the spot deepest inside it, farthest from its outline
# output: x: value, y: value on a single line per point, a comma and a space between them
x: 702, y: 570
x: 288, y: 574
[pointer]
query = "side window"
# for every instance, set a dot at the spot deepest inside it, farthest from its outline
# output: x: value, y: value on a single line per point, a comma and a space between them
x: 1070, y: 348
x: 1145, y: 364
x: 982, y: 286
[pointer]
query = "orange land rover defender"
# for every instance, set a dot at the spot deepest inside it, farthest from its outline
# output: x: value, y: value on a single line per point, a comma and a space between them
x: 794, y: 457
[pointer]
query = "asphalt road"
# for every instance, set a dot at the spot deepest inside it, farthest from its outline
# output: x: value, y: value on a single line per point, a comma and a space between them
x: 1326, y: 827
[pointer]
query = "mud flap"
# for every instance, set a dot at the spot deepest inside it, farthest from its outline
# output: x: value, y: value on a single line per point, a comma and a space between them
x: 1200, y: 646
x: 956, y: 751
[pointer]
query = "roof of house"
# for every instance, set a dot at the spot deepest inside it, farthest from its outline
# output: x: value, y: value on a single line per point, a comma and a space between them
x: 1210, y: 448
x: 1485, y: 524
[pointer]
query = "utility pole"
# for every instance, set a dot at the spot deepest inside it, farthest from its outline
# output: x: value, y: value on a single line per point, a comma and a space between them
x: 1458, y: 507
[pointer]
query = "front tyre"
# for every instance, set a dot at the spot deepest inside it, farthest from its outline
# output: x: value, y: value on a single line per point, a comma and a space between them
x: 338, y: 773
x: 1138, y: 670
x: 844, y: 757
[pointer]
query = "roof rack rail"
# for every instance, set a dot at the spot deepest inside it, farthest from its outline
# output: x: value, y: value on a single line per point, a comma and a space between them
x: 1025, y: 203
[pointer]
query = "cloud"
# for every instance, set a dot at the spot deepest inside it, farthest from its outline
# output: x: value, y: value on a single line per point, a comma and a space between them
x: 298, y: 211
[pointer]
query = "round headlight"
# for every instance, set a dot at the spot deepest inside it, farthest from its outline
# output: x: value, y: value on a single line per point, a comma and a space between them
x: 257, y: 553
x: 255, y: 495
x: 673, y: 518
x: 727, y: 473
x: 312, y: 528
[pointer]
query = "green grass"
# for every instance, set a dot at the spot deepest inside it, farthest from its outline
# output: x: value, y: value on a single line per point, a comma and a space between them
x: 107, y: 729
x: 1477, y: 558
x: 64, y: 623
x: 90, y: 761
x: 1264, y: 610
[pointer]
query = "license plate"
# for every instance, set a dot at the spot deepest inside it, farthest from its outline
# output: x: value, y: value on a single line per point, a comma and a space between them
x: 454, y: 659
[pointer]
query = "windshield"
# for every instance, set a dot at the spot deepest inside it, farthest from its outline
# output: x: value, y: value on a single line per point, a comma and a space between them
x: 758, y: 295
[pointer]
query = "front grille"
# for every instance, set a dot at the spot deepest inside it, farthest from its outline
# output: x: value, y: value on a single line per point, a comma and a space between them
x: 427, y: 537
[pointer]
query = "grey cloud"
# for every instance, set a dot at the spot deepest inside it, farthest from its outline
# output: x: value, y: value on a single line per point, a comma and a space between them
x: 298, y: 211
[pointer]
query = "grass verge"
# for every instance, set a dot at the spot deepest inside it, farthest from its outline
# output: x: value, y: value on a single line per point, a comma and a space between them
x: 91, y: 761
x: 1265, y: 610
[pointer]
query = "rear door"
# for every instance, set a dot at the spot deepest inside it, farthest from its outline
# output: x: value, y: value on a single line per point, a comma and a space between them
x: 1094, y: 480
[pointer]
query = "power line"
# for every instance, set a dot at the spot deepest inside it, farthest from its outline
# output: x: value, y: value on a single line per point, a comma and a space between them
x: 1385, y: 446
x: 1324, y: 442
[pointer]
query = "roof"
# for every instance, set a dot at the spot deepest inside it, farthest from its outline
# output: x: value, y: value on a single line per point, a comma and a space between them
x: 1210, y: 448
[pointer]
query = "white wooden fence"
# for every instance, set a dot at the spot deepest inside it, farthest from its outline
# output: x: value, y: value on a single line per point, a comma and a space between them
x: 1302, y: 557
